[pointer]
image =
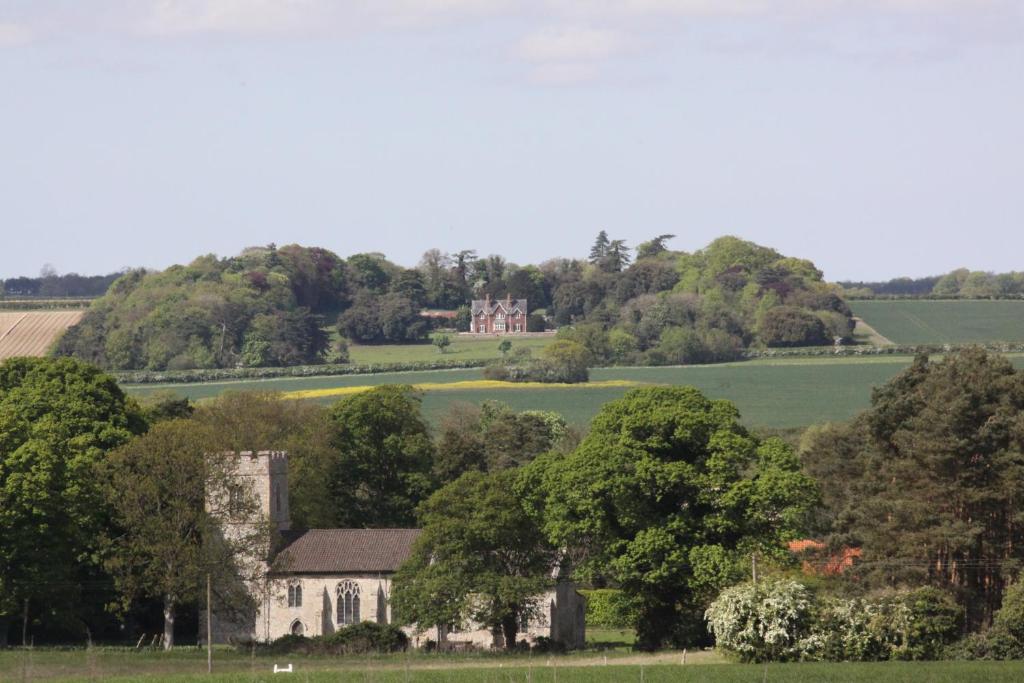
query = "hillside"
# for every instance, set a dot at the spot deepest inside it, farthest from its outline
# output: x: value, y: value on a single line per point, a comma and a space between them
x: 272, y: 306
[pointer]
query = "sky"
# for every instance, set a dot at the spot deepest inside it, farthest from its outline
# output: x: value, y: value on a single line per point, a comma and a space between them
x: 878, y: 138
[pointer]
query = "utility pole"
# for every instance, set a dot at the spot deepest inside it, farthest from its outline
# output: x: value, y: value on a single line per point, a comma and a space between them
x: 209, y: 628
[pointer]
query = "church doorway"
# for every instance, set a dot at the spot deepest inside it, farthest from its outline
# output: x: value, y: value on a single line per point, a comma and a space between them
x: 298, y: 629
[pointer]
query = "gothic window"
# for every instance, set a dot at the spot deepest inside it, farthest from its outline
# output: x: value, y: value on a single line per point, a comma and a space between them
x: 348, y: 603
x: 295, y: 595
x: 236, y: 500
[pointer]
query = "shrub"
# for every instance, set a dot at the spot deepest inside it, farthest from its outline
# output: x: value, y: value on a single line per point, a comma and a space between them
x: 994, y: 644
x: 761, y: 622
x: 362, y: 638
x: 781, y: 620
x: 932, y: 623
x: 610, y: 608
x: 1010, y: 617
x: 791, y: 326
x: 365, y: 637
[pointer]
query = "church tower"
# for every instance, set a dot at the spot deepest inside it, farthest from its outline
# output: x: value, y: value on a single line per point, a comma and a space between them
x: 267, y: 472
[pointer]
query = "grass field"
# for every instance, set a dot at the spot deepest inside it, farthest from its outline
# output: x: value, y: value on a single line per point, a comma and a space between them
x: 30, y: 333
x: 773, y: 393
x: 944, y: 322
x: 190, y: 665
x: 462, y: 348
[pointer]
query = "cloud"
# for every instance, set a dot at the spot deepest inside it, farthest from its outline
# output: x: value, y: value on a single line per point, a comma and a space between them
x: 14, y: 34
x: 170, y: 17
x: 570, y: 44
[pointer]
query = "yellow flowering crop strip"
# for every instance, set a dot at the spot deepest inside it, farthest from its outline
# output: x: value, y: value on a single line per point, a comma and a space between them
x: 466, y: 385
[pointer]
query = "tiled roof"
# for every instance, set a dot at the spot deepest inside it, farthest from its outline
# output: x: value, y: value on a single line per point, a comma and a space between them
x: 490, y: 306
x: 344, y: 551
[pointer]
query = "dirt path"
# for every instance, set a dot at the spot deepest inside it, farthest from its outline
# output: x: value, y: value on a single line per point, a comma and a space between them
x: 862, y: 330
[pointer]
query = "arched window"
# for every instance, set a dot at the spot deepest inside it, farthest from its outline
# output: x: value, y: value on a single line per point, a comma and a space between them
x: 295, y: 595
x: 348, y: 603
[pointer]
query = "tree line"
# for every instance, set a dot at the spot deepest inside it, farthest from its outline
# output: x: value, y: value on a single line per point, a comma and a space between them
x: 272, y: 306
x: 668, y: 498
x: 961, y: 283
x: 51, y: 284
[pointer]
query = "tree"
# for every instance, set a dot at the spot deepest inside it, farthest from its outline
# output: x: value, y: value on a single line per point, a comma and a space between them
x: 617, y: 258
x: 442, y: 342
x: 932, y: 475
x: 505, y: 346
x: 493, y: 437
x: 667, y: 496
x: 58, y: 417
x: 171, y: 491
x: 480, y: 557
x: 653, y: 248
x: 599, y: 251
x: 566, y: 361
x: 791, y: 326
x: 383, y: 466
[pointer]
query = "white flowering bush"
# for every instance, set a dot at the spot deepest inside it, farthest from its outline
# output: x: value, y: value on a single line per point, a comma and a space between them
x: 766, y: 621
x: 782, y: 620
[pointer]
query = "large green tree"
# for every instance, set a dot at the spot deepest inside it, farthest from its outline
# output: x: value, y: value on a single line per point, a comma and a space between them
x: 929, y: 481
x: 58, y: 417
x: 480, y: 557
x: 384, y: 457
x: 668, y: 496
x: 181, y: 515
x: 492, y: 436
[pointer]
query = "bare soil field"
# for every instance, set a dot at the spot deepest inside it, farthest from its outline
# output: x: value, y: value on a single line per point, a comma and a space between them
x: 30, y: 333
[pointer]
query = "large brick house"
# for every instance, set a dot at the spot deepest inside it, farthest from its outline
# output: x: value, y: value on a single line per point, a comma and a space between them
x: 501, y: 316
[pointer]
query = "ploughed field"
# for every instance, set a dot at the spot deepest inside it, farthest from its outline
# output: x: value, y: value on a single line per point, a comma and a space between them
x: 781, y: 393
x: 586, y: 667
x: 30, y: 333
x: 944, y: 322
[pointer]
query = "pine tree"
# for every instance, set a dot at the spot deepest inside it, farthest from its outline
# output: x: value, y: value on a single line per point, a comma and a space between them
x: 599, y: 251
x: 931, y: 491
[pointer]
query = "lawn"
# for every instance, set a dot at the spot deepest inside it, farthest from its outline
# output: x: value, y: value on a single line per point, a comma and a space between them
x: 190, y: 665
x: 463, y: 347
x: 778, y: 393
x: 944, y: 322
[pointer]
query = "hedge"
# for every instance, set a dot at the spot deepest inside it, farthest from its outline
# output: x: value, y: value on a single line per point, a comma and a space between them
x: 610, y: 608
x: 45, y: 304
x: 869, y: 350
x: 362, y: 638
x: 327, y: 369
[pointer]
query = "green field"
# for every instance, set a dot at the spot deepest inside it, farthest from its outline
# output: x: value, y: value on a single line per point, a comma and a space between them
x: 462, y: 348
x: 772, y: 393
x: 944, y: 322
x: 190, y: 665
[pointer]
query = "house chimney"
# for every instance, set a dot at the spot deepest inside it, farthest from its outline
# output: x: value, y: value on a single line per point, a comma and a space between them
x: 487, y: 300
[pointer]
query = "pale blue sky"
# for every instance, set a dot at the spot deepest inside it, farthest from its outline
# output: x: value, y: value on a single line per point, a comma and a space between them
x: 875, y: 137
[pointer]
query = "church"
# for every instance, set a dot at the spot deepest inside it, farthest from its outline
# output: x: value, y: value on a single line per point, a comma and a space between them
x: 325, y: 579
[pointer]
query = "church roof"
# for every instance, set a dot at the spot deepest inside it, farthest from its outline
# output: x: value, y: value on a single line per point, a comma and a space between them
x: 345, y: 551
